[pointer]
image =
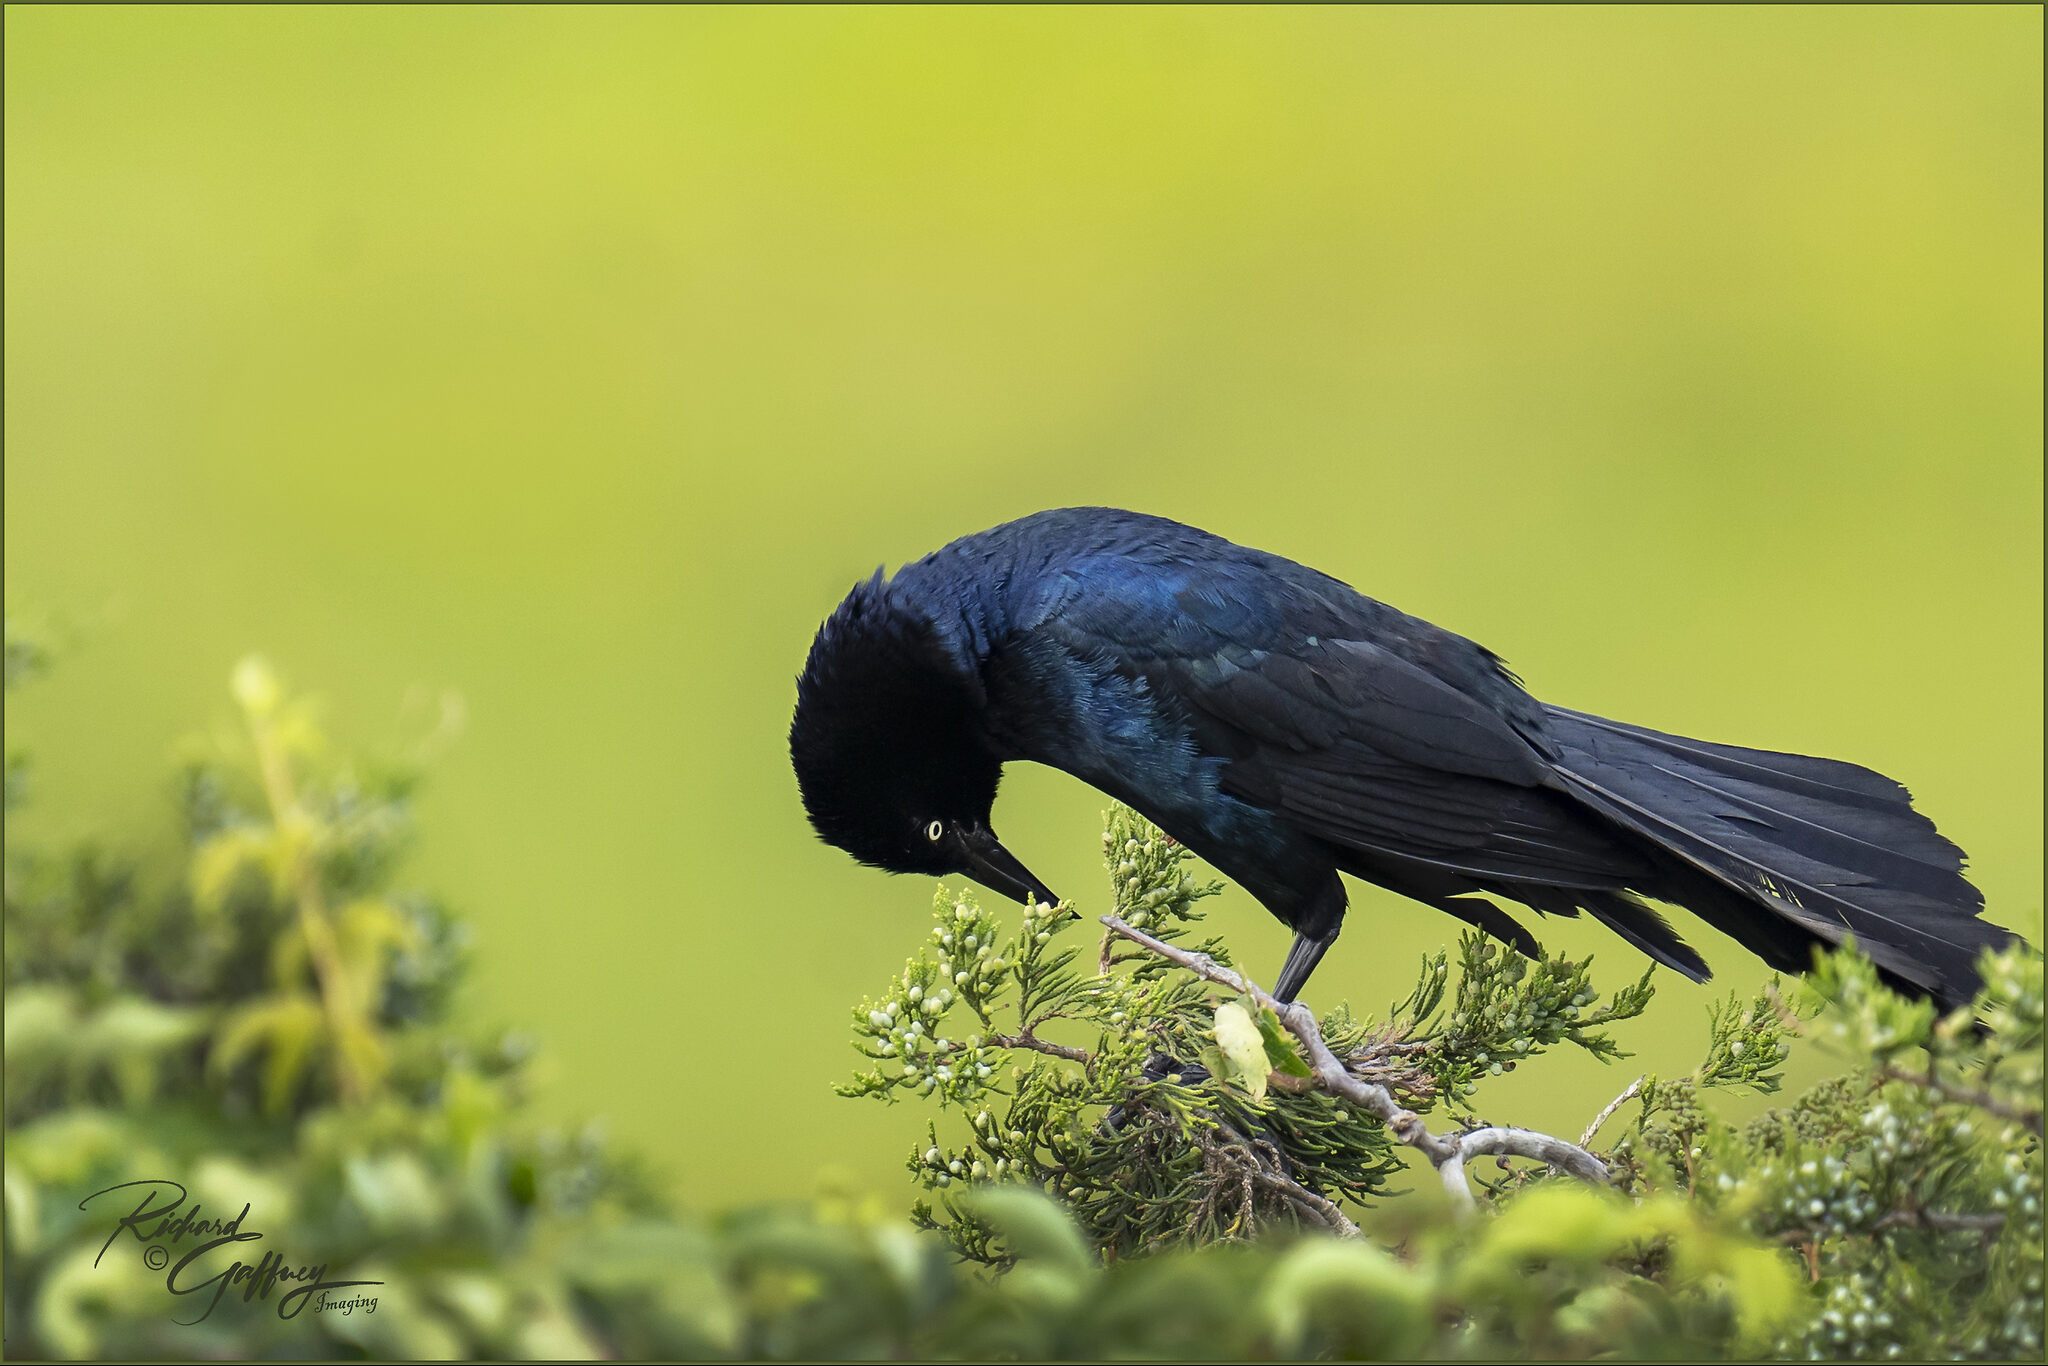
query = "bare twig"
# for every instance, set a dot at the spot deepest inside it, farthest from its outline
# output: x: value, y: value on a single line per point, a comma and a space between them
x: 1243, y: 1154
x: 1029, y: 1040
x: 1446, y: 1152
x: 1634, y: 1089
x: 1321, y: 1206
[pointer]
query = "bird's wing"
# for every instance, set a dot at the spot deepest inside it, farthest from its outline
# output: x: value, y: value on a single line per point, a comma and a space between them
x: 1373, y: 730
x: 1376, y: 754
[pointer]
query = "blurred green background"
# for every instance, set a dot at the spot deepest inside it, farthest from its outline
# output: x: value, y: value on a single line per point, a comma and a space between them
x: 579, y: 360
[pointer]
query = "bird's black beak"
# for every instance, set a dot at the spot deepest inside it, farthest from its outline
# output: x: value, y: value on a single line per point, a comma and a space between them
x: 997, y: 869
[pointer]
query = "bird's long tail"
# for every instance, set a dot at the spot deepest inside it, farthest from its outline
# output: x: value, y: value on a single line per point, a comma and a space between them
x: 1782, y: 851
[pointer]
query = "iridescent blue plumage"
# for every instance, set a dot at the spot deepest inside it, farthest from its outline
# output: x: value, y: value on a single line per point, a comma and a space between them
x: 1287, y: 728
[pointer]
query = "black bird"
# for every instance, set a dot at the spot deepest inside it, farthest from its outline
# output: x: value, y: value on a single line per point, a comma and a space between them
x: 1287, y: 728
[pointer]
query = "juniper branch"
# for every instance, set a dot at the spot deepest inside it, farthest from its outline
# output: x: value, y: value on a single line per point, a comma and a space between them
x: 1938, y: 1221
x: 1965, y: 1095
x: 1446, y: 1152
x: 1317, y: 1206
x: 1031, y: 1041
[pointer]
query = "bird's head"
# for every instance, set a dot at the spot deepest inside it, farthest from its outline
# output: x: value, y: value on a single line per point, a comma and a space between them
x: 890, y: 752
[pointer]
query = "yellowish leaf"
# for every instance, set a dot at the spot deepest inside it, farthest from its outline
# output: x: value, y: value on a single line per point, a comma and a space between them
x: 1243, y: 1047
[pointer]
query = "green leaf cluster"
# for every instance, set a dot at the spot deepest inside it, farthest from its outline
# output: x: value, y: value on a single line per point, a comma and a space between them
x: 1161, y: 1111
x: 1892, y: 1210
x: 1116, y: 1157
x: 263, y: 1015
x: 1909, y: 1185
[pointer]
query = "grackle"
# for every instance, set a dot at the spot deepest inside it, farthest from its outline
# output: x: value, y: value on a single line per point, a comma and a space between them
x: 1287, y: 728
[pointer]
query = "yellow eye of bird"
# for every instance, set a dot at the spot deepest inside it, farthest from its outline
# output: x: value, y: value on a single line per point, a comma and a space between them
x: 933, y: 831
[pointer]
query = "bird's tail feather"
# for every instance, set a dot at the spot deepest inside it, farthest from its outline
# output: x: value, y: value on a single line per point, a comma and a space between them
x: 1618, y: 910
x: 1828, y: 849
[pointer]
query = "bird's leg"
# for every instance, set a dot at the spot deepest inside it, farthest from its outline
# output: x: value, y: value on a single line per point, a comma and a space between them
x: 1302, y: 957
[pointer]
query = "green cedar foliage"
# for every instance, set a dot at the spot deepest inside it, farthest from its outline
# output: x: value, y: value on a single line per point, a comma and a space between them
x: 1892, y: 1211
x: 265, y: 1015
